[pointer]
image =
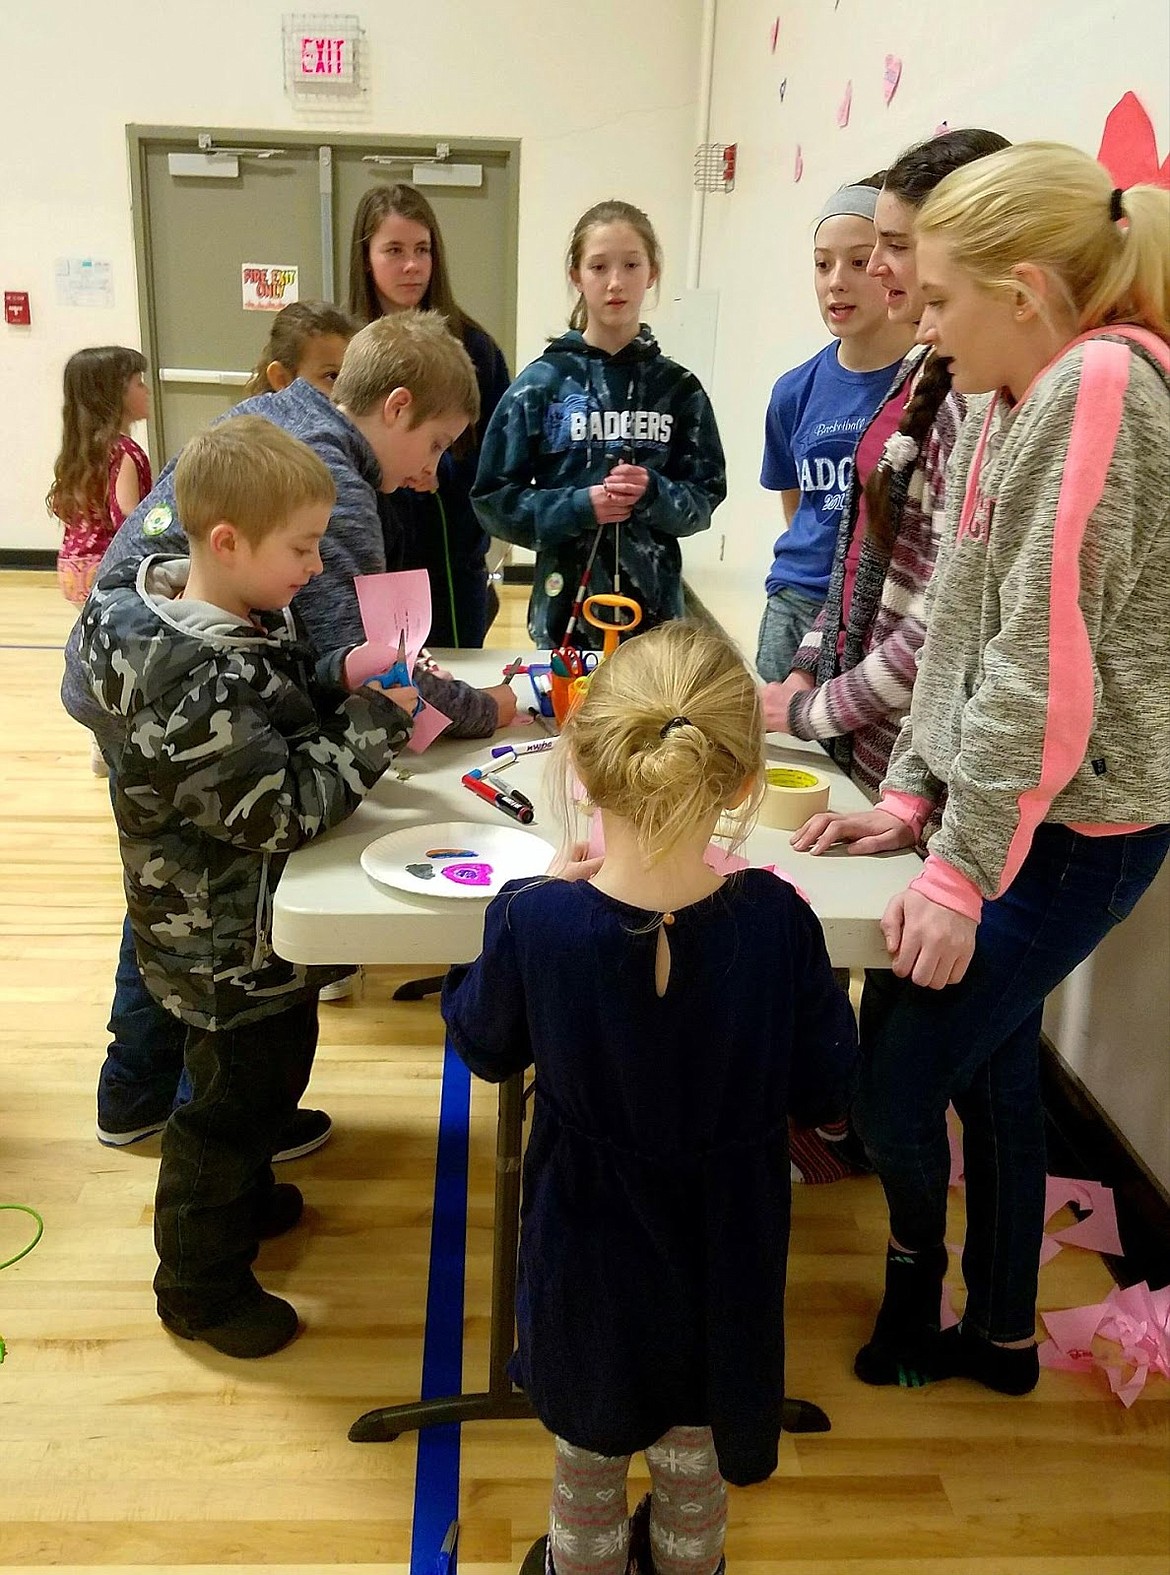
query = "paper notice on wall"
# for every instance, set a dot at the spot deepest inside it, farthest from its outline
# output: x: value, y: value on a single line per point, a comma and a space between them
x: 84, y: 281
x: 268, y: 287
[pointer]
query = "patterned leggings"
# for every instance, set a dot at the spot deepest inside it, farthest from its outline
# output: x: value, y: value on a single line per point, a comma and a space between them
x: 588, y: 1530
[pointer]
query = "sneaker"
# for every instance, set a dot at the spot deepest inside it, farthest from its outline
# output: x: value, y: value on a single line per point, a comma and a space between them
x: 538, y: 1559
x: 343, y: 989
x: 259, y: 1325
x: 280, y: 1211
x: 307, y: 1131
x: 124, y: 1139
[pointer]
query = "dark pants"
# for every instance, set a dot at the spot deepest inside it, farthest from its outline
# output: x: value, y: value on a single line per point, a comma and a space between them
x: 140, y: 1079
x: 977, y: 1043
x: 216, y: 1167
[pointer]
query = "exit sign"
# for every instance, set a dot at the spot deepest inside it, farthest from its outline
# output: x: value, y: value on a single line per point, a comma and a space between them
x: 325, y: 59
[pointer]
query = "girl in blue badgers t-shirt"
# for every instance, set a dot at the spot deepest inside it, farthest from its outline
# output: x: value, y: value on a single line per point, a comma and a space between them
x: 815, y: 416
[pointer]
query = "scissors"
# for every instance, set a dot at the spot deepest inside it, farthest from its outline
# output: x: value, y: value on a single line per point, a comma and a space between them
x: 612, y: 631
x: 398, y: 676
x: 575, y: 663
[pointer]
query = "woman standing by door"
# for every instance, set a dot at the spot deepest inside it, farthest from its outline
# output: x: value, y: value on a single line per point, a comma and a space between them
x: 397, y: 261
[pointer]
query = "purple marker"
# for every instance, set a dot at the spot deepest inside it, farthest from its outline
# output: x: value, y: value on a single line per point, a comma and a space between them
x: 532, y: 746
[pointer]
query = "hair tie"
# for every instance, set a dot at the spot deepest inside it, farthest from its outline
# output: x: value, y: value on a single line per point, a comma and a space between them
x: 675, y: 721
x: 1116, y: 211
x: 899, y: 450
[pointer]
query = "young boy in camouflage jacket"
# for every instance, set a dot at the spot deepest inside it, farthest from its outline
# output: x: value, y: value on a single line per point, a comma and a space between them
x: 240, y: 744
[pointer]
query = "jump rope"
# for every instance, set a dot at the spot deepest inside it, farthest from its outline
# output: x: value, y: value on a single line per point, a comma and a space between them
x: 21, y: 1208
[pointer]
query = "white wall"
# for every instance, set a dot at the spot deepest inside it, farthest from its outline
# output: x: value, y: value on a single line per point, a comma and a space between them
x: 77, y: 74
x: 1041, y: 68
x: 1111, y: 1021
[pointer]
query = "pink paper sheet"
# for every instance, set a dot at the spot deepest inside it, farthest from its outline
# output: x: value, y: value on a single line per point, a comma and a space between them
x: 394, y: 605
x: 1097, y: 1232
x: 397, y: 608
x: 1134, y: 1318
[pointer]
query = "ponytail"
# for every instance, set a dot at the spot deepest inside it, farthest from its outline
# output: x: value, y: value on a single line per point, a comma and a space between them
x: 902, y: 450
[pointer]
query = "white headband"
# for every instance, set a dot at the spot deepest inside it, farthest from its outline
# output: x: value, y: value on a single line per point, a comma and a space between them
x: 860, y: 201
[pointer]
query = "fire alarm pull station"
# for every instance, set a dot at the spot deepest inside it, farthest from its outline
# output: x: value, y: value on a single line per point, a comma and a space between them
x: 16, y: 308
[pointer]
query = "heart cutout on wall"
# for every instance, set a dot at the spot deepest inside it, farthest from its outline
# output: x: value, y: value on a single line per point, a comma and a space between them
x: 891, y: 77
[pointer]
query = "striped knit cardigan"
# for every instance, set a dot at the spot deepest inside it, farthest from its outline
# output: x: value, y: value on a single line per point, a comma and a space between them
x: 861, y: 696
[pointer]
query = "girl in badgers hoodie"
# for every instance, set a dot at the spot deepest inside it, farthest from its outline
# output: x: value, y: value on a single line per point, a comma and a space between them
x: 603, y: 439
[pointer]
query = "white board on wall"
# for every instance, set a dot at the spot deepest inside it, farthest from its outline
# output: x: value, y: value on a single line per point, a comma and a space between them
x: 686, y: 326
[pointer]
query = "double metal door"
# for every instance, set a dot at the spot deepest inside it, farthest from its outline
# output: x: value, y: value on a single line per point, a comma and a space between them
x: 287, y: 200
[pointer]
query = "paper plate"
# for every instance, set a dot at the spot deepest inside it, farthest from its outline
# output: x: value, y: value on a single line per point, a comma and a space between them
x: 458, y: 858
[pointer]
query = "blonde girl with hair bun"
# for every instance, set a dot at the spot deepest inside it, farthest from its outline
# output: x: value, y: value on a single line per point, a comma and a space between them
x: 675, y: 1019
x: 1034, y: 716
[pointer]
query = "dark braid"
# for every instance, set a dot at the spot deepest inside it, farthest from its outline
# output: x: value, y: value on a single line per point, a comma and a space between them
x: 885, y: 487
x: 911, y: 178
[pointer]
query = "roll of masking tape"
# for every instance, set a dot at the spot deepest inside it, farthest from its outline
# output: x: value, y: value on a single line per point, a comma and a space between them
x: 791, y: 796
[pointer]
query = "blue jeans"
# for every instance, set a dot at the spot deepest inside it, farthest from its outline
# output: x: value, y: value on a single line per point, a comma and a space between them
x: 142, y: 1078
x: 787, y: 618
x: 976, y: 1043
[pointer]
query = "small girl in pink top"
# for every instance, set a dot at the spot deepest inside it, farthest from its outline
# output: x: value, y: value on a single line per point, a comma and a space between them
x: 101, y: 474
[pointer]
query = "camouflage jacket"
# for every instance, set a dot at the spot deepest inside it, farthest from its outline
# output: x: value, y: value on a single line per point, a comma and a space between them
x: 239, y: 744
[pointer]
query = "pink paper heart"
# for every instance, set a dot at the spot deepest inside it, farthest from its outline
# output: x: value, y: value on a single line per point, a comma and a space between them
x: 468, y: 874
x: 891, y: 78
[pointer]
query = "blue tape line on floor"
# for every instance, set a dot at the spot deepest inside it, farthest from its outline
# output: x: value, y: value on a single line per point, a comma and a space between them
x: 436, y: 1483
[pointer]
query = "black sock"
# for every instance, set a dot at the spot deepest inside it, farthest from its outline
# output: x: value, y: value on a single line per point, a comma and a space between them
x: 901, y: 1349
x: 962, y: 1353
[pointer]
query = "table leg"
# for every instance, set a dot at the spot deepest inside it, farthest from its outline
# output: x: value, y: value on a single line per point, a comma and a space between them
x: 502, y: 1399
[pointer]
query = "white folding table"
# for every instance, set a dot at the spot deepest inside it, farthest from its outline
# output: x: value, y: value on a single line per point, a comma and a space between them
x: 327, y: 910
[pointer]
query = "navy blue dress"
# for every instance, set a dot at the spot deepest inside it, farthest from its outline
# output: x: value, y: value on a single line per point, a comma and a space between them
x: 657, y: 1197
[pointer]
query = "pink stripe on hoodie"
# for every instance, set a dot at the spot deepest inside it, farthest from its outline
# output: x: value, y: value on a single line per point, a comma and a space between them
x: 1069, y: 719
